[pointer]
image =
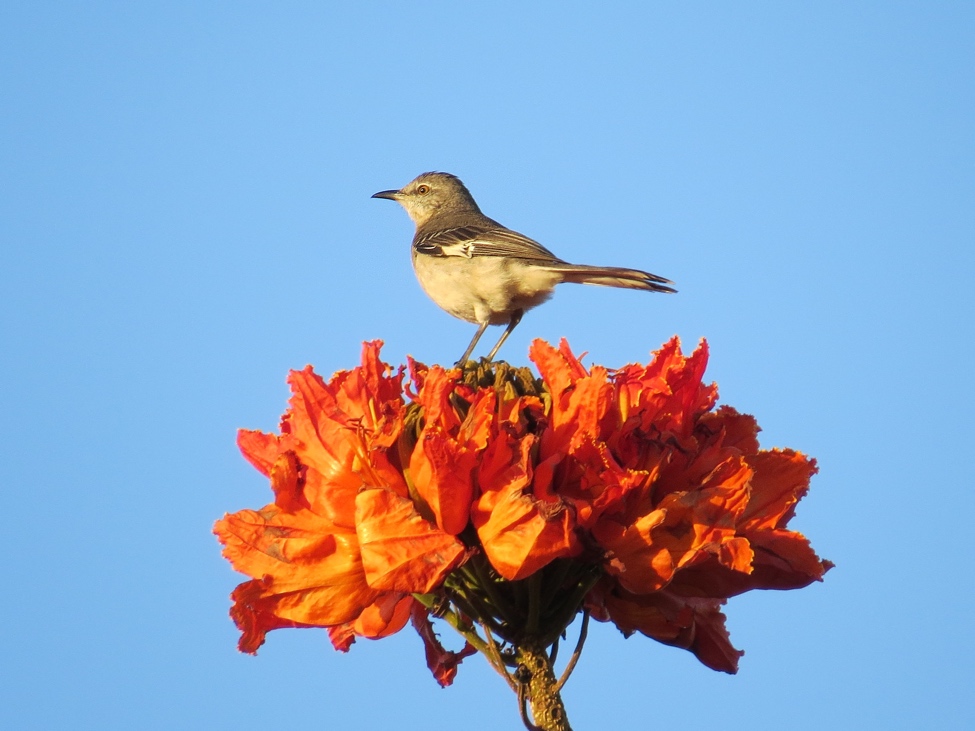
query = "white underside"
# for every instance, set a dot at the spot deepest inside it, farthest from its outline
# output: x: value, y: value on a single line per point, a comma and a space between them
x: 484, y: 289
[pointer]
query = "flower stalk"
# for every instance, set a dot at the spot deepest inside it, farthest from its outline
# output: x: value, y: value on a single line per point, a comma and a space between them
x: 540, y: 689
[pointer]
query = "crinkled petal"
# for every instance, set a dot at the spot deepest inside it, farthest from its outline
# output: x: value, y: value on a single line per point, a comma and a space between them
x: 521, y: 534
x: 781, y: 480
x: 401, y: 551
x: 435, y: 397
x: 692, y: 624
x: 667, y: 396
x: 342, y: 636
x: 385, y: 616
x: 640, y: 565
x: 287, y: 482
x: 259, y: 448
x: 730, y: 429
x: 449, y: 448
x: 583, y: 404
x: 441, y: 470
x: 686, y: 529
x: 559, y: 368
x: 442, y: 663
x: 311, y: 572
x: 253, y: 613
x: 603, y: 486
x: 341, y: 429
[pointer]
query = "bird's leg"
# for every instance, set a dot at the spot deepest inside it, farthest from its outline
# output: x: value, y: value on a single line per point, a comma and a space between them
x: 470, y: 348
x: 515, y: 319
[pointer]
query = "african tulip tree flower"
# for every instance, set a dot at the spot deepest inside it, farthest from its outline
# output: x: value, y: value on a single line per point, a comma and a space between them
x: 508, y: 504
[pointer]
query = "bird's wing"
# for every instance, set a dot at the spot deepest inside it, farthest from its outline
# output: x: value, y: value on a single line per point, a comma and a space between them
x: 471, y: 241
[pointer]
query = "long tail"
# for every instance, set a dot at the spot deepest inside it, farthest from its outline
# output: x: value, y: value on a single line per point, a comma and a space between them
x: 612, y: 277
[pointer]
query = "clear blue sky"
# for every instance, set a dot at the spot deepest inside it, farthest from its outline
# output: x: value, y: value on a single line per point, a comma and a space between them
x: 185, y: 215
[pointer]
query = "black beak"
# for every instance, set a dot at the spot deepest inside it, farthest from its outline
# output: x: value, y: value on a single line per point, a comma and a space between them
x: 390, y: 194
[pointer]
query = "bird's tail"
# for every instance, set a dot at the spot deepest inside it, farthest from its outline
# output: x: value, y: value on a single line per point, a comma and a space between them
x: 612, y: 277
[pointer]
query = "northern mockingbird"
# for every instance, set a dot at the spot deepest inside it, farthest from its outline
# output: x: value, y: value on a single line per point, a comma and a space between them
x: 480, y: 271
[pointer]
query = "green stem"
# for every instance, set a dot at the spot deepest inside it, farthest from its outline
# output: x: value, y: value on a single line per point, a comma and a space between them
x: 567, y: 610
x: 498, y: 657
x: 534, y: 603
x: 472, y: 604
x: 431, y: 601
x: 577, y: 653
x: 486, y: 582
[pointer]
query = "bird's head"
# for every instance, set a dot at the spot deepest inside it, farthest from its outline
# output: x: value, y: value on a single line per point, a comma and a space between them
x: 431, y: 194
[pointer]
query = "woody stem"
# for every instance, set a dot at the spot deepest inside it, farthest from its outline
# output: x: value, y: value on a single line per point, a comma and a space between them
x: 540, y: 687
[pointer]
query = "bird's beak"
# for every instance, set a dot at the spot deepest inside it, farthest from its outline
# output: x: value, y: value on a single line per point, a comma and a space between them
x: 392, y: 195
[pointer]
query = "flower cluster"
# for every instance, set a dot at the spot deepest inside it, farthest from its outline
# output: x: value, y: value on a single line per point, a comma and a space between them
x: 510, y: 503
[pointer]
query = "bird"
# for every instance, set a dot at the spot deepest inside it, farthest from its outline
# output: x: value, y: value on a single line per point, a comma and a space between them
x: 482, y: 272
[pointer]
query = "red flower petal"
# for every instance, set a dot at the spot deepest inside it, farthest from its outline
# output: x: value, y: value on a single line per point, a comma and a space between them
x: 448, y: 449
x: 260, y: 449
x: 287, y: 483
x: 559, y: 368
x: 684, y: 530
x: 519, y: 533
x: 693, y: 624
x: 781, y: 480
x: 401, y: 551
x: 667, y: 396
x: 441, y: 472
x: 583, y: 404
x: 254, y: 616
x: 442, y: 663
x: 310, y: 571
x: 384, y: 617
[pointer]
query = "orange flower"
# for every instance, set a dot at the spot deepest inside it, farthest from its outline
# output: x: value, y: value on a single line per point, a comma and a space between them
x: 507, y: 504
x: 342, y: 546
x: 449, y: 447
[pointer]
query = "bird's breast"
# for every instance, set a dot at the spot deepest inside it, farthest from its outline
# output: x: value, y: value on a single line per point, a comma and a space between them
x: 483, y: 289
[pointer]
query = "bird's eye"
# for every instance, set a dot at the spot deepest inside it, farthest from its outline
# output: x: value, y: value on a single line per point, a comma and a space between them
x: 422, y: 189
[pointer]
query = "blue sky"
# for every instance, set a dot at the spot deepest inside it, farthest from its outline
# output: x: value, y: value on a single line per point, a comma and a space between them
x: 186, y: 215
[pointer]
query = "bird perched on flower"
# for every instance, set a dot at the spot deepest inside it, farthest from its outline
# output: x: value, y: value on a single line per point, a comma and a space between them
x: 480, y: 271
